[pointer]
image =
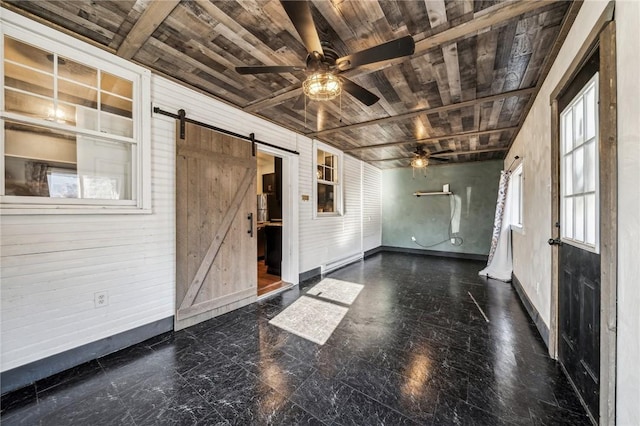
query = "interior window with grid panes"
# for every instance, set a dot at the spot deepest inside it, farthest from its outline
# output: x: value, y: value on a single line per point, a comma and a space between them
x: 579, y: 168
x: 327, y: 164
x: 68, y: 127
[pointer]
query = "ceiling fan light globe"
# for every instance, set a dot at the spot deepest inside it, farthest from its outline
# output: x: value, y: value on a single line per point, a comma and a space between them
x: 419, y: 162
x: 322, y: 86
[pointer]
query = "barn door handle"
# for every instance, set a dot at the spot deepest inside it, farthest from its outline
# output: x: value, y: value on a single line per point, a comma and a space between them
x: 554, y: 242
x: 250, y: 231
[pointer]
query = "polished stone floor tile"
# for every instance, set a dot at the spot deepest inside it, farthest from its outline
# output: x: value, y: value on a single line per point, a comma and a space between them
x: 322, y: 396
x: 359, y: 409
x: 412, y: 348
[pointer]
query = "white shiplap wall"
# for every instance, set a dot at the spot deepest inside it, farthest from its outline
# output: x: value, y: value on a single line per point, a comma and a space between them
x: 329, y: 239
x: 371, y: 207
x: 53, y: 264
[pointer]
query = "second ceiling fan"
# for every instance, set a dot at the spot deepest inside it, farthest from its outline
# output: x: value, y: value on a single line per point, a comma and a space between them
x: 323, y: 65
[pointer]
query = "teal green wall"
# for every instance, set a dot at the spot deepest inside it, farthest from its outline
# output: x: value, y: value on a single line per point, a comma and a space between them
x: 427, y: 217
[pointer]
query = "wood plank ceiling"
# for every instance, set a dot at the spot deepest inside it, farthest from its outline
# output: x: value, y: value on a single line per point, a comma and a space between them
x: 467, y: 88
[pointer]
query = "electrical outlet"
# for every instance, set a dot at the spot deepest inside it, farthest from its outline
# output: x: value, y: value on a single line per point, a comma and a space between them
x: 413, y: 238
x: 101, y: 299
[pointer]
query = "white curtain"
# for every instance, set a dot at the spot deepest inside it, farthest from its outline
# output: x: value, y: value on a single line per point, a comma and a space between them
x: 500, y: 264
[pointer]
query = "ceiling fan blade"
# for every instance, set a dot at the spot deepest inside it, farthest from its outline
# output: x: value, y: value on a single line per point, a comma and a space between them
x: 441, y: 160
x: 445, y: 151
x: 268, y: 69
x: 299, y: 13
x: 390, y: 50
x: 359, y: 92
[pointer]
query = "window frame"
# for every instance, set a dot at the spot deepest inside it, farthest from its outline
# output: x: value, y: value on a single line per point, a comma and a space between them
x: 337, y: 184
x: 42, y: 37
x: 517, y: 217
x: 581, y: 96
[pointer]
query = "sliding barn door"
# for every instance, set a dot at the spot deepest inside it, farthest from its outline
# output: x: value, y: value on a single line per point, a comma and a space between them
x: 215, y: 209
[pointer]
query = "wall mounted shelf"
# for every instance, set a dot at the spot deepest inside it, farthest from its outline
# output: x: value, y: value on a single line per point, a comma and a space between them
x: 445, y: 191
x: 420, y: 194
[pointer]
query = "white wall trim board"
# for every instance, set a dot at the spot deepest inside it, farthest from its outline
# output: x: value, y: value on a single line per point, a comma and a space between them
x: 436, y: 253
x: 311, y: 273
x: 531, y: 310
x: 27, y: 374
x: 373, y: 252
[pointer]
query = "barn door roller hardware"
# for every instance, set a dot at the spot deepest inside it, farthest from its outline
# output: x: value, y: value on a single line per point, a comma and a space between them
x: 182, y: 116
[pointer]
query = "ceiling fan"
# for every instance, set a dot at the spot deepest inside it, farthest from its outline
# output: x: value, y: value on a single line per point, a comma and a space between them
x: 421, y: 157
x: 323, y: 65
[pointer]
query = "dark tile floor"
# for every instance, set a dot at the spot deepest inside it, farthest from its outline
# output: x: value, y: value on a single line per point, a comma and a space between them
x: 413, y: 349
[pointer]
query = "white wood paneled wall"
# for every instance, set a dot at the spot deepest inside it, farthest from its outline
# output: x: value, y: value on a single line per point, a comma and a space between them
x: 329, y: 239
x: 371, y: 207
x: 53, y: 264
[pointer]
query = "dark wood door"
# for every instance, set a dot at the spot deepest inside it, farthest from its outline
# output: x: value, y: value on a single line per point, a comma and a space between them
x: 579, y: 319
x: 216, y: 247
x: 578, y: 257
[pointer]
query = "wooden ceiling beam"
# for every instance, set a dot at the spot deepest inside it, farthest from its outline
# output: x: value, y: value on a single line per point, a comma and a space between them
x: 151, y: 18
x: 481, y: 20
x: 423, y: 111
x: 277, y: 99
x: 448, y: 154
x: 433, y: 139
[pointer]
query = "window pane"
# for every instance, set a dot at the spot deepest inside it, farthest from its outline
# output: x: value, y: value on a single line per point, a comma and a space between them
x: 77, y: 72
x: 63, y: 183
x: 30, y: 154
x: 86, y: 118
x: 116, y: 85
x: 105, y: 169
x: 567, y: 226
x: 579, y: 218
x: 329, y: 160
x: 31, y: 106
x: 28, y: 80
x: 578, y: 170
x: 76, y: 94
x: 578, y: 123
x: 326, y: 198
x: 116, y: 125
x: 591, y: 113
x: 568, y: 175
x: 592, y: 226
x: 328, y: 174
x: 116, y: 105
x: 46, y: 163
x: 568, y: 132
x: 28, y: 55
x: 590, y: 166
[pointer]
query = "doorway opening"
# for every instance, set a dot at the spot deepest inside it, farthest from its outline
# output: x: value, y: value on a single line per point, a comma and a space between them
x: 582, y: 334
x: 269, y: 199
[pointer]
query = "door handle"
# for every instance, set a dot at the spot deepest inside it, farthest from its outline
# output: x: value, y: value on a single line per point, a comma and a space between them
x: 250, y: 231
x: 554, y: 242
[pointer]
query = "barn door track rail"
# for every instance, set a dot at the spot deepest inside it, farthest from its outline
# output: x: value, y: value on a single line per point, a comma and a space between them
x: 182, y: 116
